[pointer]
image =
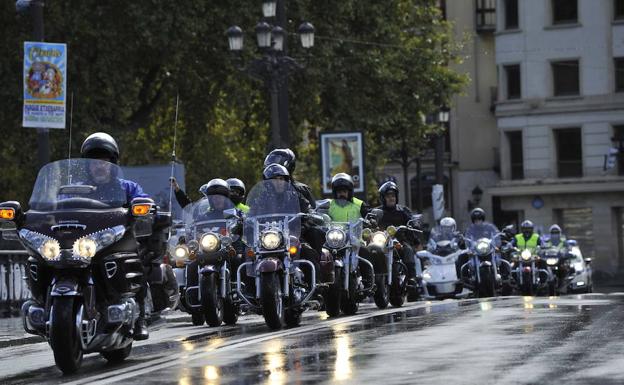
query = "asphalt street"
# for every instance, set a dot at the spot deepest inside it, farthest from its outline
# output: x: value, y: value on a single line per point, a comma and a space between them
x: 516, y: 340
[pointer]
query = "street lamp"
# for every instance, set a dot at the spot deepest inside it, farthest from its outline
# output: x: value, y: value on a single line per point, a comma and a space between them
x: 274, y: 67
x: 443, y: 119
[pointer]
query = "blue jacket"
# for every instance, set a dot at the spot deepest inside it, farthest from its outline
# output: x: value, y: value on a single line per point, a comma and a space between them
x: 133, y: 190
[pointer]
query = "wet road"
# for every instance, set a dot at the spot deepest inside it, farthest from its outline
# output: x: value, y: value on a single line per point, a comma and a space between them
x: 572, y: 340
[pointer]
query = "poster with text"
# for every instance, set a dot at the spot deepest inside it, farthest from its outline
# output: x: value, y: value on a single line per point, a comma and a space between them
x: 342, y: 152
x: 45, y: 76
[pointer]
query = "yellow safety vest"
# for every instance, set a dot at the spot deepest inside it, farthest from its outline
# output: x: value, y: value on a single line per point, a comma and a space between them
x: 531, y: 244
x: 348, y: 213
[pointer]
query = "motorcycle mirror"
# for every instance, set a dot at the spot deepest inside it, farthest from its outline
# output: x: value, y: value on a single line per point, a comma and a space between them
x: 230, y: 213
x: 323, y: 204
x: 587, y: 260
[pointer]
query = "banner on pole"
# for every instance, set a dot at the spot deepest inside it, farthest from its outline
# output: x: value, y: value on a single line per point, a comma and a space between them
x: 437, y: 197
x: 45, y: 77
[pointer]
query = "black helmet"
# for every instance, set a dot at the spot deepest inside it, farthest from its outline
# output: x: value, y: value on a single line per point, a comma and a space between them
x: 526, y: 227
x: 100, y: 146
x: 237, y: 190
x: 342, y: 180
x: 274, y: 170
x: 386, y: 188
x: 477, y: 213
x: 284, y: 156
x: 217, y: 186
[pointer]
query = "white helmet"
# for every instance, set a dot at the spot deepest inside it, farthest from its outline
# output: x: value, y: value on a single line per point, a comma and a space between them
x: 448, y: 225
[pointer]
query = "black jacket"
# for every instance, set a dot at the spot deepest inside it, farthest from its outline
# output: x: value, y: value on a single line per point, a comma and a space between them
x: 304, y: 190
x: 182, y: 198
x: 397, y: 216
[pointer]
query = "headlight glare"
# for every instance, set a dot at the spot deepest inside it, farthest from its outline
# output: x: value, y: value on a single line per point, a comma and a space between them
x: 335, y: 238
x: 85, y: 247
x: 209, y: 242
x: 526, y: 255
x: 552, y: 261
x: 50, y: 249
x: 380, y: 239
x: 483, y: 248
x: 271, y: 240
x: 181, y: 252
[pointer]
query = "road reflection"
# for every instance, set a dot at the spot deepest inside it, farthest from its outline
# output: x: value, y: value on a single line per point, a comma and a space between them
x: 211, y: 375
x: 342, y: 343
x: 274, y: 361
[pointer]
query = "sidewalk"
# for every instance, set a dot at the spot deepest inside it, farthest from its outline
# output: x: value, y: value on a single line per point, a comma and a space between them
x: 12, y: 330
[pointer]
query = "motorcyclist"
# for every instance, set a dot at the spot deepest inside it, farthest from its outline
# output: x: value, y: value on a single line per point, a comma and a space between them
x: 479, y: 227
x: 286, y: 157
x: 527, y: 239
x: 283, y: 196
x: 556, y: 239
x: 237, y: 194
x: 344, y: 207
x: 397, y: 215
x: 181, y: 196
x: 102, y: 146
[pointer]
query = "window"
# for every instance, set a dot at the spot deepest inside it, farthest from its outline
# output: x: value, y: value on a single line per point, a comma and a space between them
x: 565, y: 11
x: 618, y: 141
x: 515, y: 154
x: 486, y: 15
x: 619, y: 74
x: 618, y: 9
x: 566, y: 77
x: 569, y: 152
x: 512, y: 78
x: 511, y: 14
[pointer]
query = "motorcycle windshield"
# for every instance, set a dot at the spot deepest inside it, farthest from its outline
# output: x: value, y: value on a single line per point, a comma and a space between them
x: 206, y: 215
x: 273, y: 205
x: 483, y: 230
x: 79, y: 184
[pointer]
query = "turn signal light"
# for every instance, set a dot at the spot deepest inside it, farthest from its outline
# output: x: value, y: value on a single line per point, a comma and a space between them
x: 292, y: 250
x: 251, y: 254
x: 7, y: 213
x: 141, y: 210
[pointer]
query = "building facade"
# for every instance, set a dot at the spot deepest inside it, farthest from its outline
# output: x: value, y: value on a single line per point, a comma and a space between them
x: 560, y: 111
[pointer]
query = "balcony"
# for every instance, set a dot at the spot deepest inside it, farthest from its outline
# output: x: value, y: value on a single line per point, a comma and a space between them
x: 486, y: 16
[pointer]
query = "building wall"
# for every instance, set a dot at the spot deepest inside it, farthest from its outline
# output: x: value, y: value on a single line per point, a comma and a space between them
x: 594, y: 41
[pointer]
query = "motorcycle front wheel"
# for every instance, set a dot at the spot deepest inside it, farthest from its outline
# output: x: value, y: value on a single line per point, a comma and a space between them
x: 272, y: 301
x: 381, y: 294
x: 348, y: 303
x: 64, y: 336
x: 486, y: 286
x: 211, y: 300
x: 333, y: 295
x: 397, y: 290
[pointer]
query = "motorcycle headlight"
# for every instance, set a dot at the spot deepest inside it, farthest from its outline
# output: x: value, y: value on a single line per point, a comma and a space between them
x: 271, y: 240
x: 85, y: 247
x: 552, y: 261
x: 380, y: 239
x: 335, y: 238
x: 526, y: 255
x: 88, y: 246
x: 181, y: 252
x: 209, y: 242
x: 50, y: 249
x: 483, y: 248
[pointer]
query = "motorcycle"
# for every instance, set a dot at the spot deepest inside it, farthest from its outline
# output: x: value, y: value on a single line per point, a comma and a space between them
x: 208, y: 255
x: 481, y: 272
x: 343, y: 240
x: 390, y: 271
x: 276, y: 286
x: 440, y: 278
x: 85, y: 270
x: 570, y: 271
x: 529, y: 273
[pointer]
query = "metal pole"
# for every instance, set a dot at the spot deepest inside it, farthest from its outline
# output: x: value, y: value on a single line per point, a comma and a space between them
x: 419, y: 185
x: 405, y: 163
x: 284, y: 140
x: 275, y: 126
x: 43, y: 135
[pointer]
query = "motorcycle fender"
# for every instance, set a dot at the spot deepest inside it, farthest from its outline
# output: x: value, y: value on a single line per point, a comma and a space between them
x: 269, y: 265
x: 66, y: 288
x: 209, y: 269
x: 485, y: 264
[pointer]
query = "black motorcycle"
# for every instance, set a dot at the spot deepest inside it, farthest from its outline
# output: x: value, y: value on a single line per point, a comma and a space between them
x: 85, y: 270
x: 208, y: 254
x: 278, y: 283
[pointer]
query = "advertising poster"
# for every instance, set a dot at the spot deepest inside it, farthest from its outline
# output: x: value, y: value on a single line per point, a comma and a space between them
x: 342, y: 152
x: 45, y: 76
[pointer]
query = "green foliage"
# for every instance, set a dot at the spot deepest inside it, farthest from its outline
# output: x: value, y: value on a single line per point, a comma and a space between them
x: 376, y: 67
